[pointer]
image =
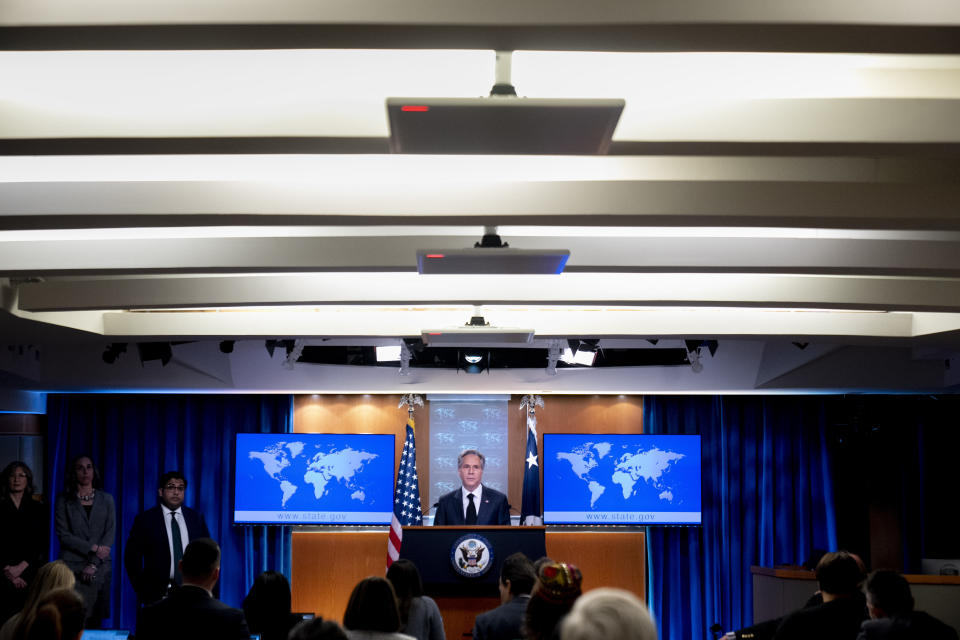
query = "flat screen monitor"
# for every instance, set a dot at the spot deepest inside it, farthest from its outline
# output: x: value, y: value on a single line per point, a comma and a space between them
x: 314, y: 478
x: 621, y: 479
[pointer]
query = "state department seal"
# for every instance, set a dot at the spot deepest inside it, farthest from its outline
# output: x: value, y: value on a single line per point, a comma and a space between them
x: 471, y: 555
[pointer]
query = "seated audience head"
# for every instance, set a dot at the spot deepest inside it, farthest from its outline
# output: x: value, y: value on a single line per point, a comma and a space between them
x: 888, y: 594
x: 516, y: 577
x: 557, y: 588
x: 608, y: 613
x: 267, y: 605
x: 59, y: 616
x: 405, y: 578
x: 201, y: 563
x: 839, y: 574
x: 372, y: 607
x: 53, y: 575
x: 318, y: 629
x: 16, y: 478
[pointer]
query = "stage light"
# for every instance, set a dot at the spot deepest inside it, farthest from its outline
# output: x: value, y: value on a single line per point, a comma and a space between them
x: 474, y: 361
x: 226, y: 346
x: 161, y: 351
x: 388, y: 353
x: 113, y: 351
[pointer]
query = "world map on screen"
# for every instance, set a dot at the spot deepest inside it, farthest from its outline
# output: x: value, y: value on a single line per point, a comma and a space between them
x: 313, y: 475
x: 608, y: 477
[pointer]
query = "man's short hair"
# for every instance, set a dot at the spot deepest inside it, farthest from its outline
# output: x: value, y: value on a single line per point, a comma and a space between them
x: 890, y: 591
x: 318, y: 629
x: 518, y: 569
x: 471, y: 452
x: 200, y: 558
x: 608, y: 613
x: 839, y: 573
x: 171, y: 475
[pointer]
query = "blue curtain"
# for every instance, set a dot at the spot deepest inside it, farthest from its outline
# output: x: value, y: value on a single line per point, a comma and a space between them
x: 133, y: 439
x: 767, y: 500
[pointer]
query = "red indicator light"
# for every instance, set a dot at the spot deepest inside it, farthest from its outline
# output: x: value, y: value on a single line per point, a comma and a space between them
x: 435, y: 334
x: 435, y: 255
x: 414, y: 107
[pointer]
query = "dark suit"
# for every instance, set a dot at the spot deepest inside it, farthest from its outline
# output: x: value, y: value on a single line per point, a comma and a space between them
x: 502, y: 623
x: 190, y: 613
x: 147, y: 555
x: 835, y: 620
x: 492, y: 510
x: 914, y: 626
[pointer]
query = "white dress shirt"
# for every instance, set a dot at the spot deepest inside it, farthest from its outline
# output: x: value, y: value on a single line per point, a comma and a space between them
x: 184, y: 539
x: 466, y: 501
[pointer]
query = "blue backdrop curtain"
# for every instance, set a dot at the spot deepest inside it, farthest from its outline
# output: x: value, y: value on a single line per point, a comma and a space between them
x: 133, y: 439
x: 767, y: 500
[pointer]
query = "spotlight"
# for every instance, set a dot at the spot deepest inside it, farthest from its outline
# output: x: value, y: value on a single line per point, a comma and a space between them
x: 693, y: 357
x: 226, y: 346
x: 388, y: 354
x: 582, y: 352
x: 161, y: 351
x: 474, y: 361
x: 113, y: 351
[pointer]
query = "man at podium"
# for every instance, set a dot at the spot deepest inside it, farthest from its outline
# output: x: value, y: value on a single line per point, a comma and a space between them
x: 472, y: 503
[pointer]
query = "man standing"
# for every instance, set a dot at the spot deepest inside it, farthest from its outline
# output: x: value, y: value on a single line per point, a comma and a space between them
x: 158, y: 539
x: 191, y: 612
x: 516, y: 582
x: 472, y: 503
x: 890, y: 603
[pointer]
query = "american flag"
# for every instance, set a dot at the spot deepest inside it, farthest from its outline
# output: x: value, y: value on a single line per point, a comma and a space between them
x: 406, y: 496
x: 530, y: 510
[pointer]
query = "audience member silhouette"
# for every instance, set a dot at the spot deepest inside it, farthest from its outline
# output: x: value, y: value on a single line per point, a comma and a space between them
x: 890, y: 604
x: 419, y: 614
x: 608, y: 613
x: 267, y: 607
x: 516, y: 581
x: 557, y: 588
x: 23, y: 537
x: 372, y: 612
x: 60, y: 616
x: 318, y: 629
x: 191, y: 612
x: 839, y: 575
x: 53, y: 575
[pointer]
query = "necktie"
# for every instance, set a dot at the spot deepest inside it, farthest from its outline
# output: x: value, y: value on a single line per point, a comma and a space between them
x: 471, y: 510
x: 177, y: 547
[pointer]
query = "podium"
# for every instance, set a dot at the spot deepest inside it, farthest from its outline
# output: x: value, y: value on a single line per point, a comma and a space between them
x: 431, y: 549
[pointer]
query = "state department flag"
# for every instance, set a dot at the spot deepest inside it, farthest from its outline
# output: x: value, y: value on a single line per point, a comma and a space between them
x: 530, y: 513
x: 406, y: 496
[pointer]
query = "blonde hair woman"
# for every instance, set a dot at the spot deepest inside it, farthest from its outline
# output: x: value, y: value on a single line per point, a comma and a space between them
x: 53, y: 575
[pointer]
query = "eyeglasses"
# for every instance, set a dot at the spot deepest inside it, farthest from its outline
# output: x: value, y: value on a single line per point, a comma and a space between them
x: 176, y: 487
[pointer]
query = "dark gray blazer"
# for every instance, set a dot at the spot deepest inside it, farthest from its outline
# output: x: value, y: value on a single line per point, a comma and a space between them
x: 914, y: 626
x: 78, y: 532
x: 502, y: 623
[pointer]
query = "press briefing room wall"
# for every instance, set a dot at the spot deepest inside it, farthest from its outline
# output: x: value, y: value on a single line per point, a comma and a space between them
x: 327, y: 563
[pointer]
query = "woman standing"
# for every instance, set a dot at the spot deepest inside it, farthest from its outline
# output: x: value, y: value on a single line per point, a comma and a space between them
x: 23, y: 537
x: 86, y: 526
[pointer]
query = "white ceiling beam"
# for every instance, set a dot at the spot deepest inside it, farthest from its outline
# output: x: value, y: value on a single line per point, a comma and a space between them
x: 630, y: 289
x: 81, y: 256
x: 707, y: 203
